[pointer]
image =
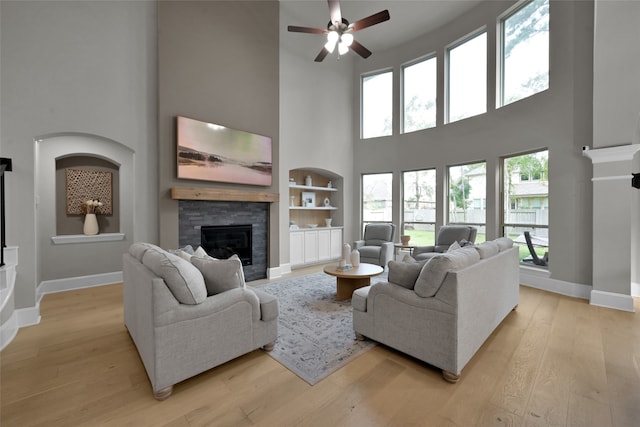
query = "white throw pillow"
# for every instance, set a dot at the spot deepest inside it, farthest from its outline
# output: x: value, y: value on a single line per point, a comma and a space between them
x: 454, y: 246
x: 200, y: 253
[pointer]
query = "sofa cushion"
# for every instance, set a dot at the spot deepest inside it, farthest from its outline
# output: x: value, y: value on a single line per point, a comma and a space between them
x: 137, y: 250
x: 219, y: 274
x: 404, y: 273
x: 487, y: 249
x: 504, y: 243
x: 435, y: 270
x: 183, y: 280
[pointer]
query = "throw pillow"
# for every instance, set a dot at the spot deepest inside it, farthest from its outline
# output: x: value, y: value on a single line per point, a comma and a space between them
x: 219, y: 274
x: 183, y: 280
x: 404, y: 273
x: 454, y: 246
x: 200, y: 253
x: 435, y: 270
x: 240, y: 271
x: 487, y: 249
x: 504, y: 243
x: 184, y: 255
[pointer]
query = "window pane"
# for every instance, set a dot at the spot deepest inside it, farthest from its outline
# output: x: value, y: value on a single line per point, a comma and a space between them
x: 419, y: 206
x: 525, y: 47
x: 376, y: 197
x: 467, y: 83
x: 468, y: 194
x: 419, y: 97
x: 377, y: 104
x: 526, y: 201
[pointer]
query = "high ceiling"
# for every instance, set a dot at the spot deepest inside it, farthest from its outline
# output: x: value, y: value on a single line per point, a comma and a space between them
x: 409, y: 19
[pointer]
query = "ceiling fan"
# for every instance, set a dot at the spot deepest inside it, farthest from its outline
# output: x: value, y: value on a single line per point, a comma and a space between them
x: 340, y: 32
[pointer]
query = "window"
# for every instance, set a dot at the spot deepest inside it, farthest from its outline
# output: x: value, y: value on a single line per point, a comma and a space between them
x: 467, y: 78
x: 376, y: 198
x: 468, y: 195
x: 524, y: 52
x: 419, y: 85
x: 377, y: 104
x: 419, y: 206
x: 525, y: 205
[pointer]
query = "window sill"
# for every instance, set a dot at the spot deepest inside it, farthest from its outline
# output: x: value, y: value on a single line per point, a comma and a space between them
x: 83, y: 238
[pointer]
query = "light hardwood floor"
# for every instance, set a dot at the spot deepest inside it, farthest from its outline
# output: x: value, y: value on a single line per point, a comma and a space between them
x: 555, y: 361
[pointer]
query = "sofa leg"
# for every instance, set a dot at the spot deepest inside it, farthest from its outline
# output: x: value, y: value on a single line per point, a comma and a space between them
x: 269, y: 346
x: 359, y: 336
x: 164, y: 393
x: 450, y: 377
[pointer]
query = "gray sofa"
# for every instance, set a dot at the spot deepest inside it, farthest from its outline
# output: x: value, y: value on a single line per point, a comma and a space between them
x: 443, y: 309
x: 179, y: 325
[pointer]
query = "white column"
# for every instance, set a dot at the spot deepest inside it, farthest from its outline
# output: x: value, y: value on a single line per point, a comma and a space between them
x: 613, y: 214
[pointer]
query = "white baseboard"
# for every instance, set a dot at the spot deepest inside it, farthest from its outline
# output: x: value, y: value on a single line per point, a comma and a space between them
x: 612, y: 300
x: 20, y: 318
x: 275, y: 272
x: 635, y: 289
x: 80, y: 282
x: 539, y: 279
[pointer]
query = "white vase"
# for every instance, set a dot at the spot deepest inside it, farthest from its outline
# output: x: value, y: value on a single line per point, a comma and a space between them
x: 90, y: 224
x: 355, y: 257
x: 307, y: 180
x: 346, y: 253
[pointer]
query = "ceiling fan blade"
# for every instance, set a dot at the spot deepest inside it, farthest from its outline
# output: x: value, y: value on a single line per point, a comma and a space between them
x: 334, y: 11
x: 374, y: 19
x: 323, y: 53
x: 360, y: 50
x: 295, y: 29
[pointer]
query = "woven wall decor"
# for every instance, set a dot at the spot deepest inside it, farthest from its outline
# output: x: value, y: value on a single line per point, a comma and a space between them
x: 88, y: 184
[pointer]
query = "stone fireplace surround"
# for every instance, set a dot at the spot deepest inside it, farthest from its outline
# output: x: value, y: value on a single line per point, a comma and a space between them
x: 192, y: 214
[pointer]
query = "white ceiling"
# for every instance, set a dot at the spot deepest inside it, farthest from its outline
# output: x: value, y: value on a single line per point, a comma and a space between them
x: 409, y: 19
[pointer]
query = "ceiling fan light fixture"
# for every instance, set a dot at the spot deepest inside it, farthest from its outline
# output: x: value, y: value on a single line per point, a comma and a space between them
x: 332, y: 36
x: 330, y: 46
x: 347, y: 39
x: 342, y: 48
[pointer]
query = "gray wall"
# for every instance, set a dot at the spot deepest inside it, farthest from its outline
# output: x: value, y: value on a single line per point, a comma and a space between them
x: 558, y: 119
x: 75, y: 68
x: 316, y: 121
x: 218, y: 62
x: 616, y: 95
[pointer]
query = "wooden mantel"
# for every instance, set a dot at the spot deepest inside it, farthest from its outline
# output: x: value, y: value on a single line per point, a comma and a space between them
x: 217, y: 194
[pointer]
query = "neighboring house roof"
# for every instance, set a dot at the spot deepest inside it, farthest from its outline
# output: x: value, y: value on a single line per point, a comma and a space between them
x: 530, y: 188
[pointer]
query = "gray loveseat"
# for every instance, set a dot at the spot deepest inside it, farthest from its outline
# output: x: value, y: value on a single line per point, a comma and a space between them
x: 179, y: 325
x: 441, y: 310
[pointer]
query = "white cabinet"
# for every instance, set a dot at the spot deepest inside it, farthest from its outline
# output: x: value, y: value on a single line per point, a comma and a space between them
x: 313, y: 246
x: 324, y: 245
x: 310, y: 247
x: 296, y: 248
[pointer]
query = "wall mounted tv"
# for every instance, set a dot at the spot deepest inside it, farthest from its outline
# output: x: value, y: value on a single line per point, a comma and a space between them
x: 211, y: 152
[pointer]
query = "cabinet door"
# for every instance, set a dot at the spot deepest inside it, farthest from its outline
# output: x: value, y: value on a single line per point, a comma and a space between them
x: 324, y: 245
x: 296, y: 248
x: 336, y: 243
x: 310, y: 246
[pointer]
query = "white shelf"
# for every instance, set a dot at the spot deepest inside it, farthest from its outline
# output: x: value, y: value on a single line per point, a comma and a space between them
x: 309, y: 187
x: 83, y: 238
x: 317, y: 208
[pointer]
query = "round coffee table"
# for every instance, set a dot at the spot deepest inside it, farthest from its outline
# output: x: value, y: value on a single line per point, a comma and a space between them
x: 349, y: 280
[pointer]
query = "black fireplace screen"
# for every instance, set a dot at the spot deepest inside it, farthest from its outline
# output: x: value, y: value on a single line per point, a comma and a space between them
x: 222, y: 241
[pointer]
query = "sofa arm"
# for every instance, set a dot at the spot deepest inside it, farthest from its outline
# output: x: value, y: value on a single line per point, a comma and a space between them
x: 405, y: 297
x: 423, y: 249
x: 168, y: 310
x: 268, y: 305
x: 358, y: 244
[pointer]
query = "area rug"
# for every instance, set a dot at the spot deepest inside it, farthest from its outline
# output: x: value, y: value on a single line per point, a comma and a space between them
x: 315, y: 332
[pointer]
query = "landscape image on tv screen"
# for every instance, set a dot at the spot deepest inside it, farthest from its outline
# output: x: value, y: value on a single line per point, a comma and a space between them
x: 211, y: 152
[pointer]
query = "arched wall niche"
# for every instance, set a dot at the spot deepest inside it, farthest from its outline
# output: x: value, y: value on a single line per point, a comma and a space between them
x: 67, y: 223
x: 93, y: 256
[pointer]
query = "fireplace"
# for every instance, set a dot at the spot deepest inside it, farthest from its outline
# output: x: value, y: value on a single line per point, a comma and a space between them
x: 223, y: 241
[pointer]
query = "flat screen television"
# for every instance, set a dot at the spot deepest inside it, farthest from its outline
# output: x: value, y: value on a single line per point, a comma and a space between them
x: 211, y: 152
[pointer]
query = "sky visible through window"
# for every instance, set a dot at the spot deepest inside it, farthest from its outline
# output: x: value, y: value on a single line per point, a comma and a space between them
x: 377, y: 104
x: 420, y: 90
x: 468, y: 78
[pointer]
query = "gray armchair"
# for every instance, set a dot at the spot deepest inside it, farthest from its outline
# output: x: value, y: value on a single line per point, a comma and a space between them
x: 376, y: 247
x: 445, y: 238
